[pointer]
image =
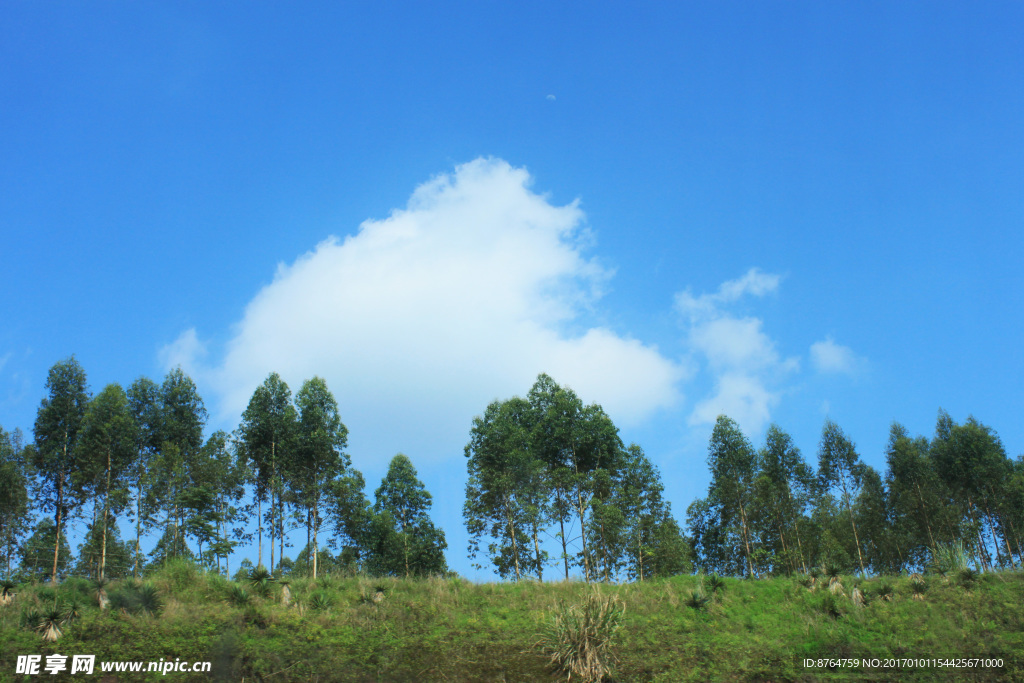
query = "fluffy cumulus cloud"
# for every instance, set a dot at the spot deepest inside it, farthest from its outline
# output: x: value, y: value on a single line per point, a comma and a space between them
x: 828, y: 357
x: 420, y: 319
x: 746, y: 367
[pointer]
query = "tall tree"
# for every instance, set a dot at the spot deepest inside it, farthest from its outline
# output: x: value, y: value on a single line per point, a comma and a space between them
x: 787, y: 486
x: 639, y: 498
x: 322, y: 438
x: 839, y: 467
x: 144, y: 402
x: 732, y: 461
x: 267, y: 433
x: 918, y: 498
x: 57, y: 428
x: 576, y: 442
x: 501, y: 496
x: 410, y: 542
x: 14, y: 494
x: 183, y: 416
x: 108, y: 444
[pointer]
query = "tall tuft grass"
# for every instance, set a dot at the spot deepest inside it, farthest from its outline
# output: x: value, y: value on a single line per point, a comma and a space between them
x: 949, y: 558
x: 578, y: 638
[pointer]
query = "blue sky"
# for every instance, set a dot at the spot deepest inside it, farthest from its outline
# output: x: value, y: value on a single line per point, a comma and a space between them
x: 780, y: 210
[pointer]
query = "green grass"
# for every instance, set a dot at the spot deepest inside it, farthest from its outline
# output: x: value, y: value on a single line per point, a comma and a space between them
x: 353, y: 628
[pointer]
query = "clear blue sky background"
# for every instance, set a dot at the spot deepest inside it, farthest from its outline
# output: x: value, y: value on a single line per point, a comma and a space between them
x: 160, y: 161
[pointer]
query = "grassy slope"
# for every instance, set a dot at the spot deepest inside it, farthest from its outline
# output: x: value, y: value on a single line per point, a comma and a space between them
x: 437, y: 630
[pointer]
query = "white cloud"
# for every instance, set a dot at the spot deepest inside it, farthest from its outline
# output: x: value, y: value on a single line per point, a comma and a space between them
x: 186, y: 351
x: 418, y: 320
x: 754, y: 282
x: 828, y: 357
x: 741, y: 357
x: 742, y: 397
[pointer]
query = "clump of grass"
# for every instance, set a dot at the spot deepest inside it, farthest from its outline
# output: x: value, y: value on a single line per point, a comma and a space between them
x: 885, y: 592
x: 697, y: 600
x: 137, y: 599
x: 7, y: 592
x: 321, y: 601
x: 832, y: 607
x: 260, y: 581
x: 50, y: 623
x: 857, y: 597
x: 918, y: 586
x: 967, y: 577
x: 716, y: 583
x: 949, y: 558
x: 238, y: 596
x: 578, y: 638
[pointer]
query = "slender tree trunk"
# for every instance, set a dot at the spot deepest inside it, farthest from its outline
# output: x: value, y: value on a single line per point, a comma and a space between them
x: 856, y: 537
x: 106, y: 508
x: 785, y: 550
x: 561, y: 527
x: 982, y: 551
x: 60, y: 505
x: 992, y: 531
x: 1006, y: 536
x: 512, y: 536
x: 316, y: 525
x: 259, y: 529
x: 924, y: 511
x: 138, y: 530
x: 536, y: 551
x: 746, y: 540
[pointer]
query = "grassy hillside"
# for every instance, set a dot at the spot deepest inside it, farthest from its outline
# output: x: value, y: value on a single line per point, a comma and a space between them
x: 680, y: 629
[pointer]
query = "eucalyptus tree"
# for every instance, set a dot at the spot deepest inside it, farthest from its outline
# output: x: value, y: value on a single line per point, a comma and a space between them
x: 321, y: 458
x: 410, y: 542
x: 733, y: 464
x: 672, y: 552
x: 839, y: 467
x: 108, y: 443
x: 226, y: 474
x: 183, y: 416
x: 144, y: 403
x: 36, y: 553
x: 575, y: 442
x: 14, y: 494
x: 876, y: 522
x: 919, y: 499
x: 505, y: 492
x: 786, y: 486
x: 268, y: 432
x: 57, y: 457
x: 639, y: 498
x: 972, y: 462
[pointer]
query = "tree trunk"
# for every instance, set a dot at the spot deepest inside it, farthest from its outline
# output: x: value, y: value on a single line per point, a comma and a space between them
x: 259, y: 529
x: 512, y: 536
x: 565, y: 551
x: 138, y: 531
x: 106, y: 507
x: 856, y: 537
x: 536, y: 550
x: 315, y: 530
x: 746, y: 540
x: 60, y: 505
x: 924, y: 511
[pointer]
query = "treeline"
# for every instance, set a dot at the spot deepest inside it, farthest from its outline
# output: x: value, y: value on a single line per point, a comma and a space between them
x: 546, y: 470
x: 769, y: 512
x: 138, y: 455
